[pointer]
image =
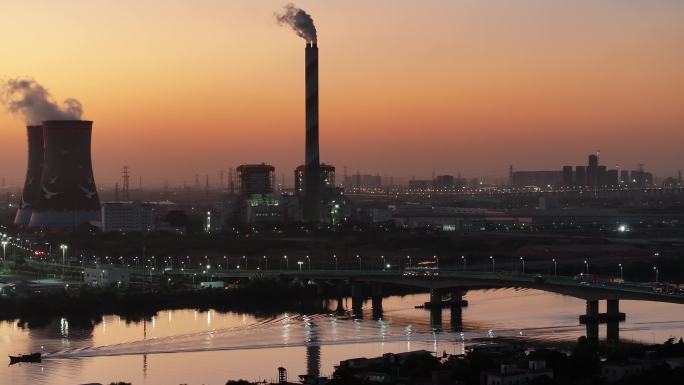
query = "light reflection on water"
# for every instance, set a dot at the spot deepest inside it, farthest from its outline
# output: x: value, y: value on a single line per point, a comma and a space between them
x: 211, y: 347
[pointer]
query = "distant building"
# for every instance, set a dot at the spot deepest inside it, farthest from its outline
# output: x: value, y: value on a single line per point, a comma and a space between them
x: 624, y: 176
x: 365, y: 181
x: 133, y: 216
x: 327, y: 178
x: 611, y: 178
x: 418, y: 184
x: 512, y: 375
x: 104, y: 275
x: 444, y: 181
x: 255, y: 179
x: 537, y: 178
x: 568, y: 179
x: 581, y: 176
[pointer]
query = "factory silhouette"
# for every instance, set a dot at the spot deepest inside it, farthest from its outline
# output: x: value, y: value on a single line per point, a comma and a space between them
x: 60, y: 191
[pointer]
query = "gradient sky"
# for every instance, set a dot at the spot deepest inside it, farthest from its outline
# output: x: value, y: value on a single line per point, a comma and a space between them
x: 179, y: 87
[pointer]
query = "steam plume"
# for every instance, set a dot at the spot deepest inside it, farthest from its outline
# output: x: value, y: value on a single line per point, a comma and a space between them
x: 28, y: 98
x: 300, y: 21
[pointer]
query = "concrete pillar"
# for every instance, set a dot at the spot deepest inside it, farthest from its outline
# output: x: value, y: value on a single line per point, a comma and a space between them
x: 613, y: 307
x: 613, y: 331
x: 357, y: 290
x: 613, y: 321
x: 592, y: 332
x: 456, y: 318
x: 435, y: 297
x: 592, y: 309
x: 376, y: 298
x: 436, y: 317
x: 357, y: 299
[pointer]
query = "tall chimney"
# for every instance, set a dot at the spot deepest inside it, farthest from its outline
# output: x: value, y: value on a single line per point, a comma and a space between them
x: 31, y: 192
x: 68, y: 195
x: 312, y: 183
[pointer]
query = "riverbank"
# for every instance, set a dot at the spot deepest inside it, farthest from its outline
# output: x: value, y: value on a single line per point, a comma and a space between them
x: 260, y: 297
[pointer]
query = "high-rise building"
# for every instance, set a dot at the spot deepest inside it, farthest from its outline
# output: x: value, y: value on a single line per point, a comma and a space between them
x: 611, y: 178
x: 567, y: 176
x: 601, y: 172
x: 581, y: 176
x: 624, y: 177
x: 445, y: 181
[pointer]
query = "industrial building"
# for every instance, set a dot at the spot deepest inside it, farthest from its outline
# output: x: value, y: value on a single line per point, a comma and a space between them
x: 68, y: 192
x: 136, y: 217
x: 327, y: 178
x: 255, y: 180
x: 32, y: 191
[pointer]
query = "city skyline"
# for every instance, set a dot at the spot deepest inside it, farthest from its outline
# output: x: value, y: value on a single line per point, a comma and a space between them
x: 458, y: 87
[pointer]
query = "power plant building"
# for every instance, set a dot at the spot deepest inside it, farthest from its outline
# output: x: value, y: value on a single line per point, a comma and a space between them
x: 68, y: 194
x: 312, y: 188
x: 32, y: 191
x: 327, y: 178
x: 255, y: 179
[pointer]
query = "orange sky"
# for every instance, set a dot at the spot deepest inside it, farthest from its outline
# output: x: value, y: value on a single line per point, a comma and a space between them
x: 407, y: 87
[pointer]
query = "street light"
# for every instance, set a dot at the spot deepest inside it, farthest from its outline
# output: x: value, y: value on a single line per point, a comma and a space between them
x: 586, y: 263
x: 656, y: 273
x: 4, y: 245
x: 64, y: 249
x: 300, y: 263
x: 492, y: 258
x: 621, y: 277
x: 436, y: 260
x: 335, y: 258
x: 287, y: 263
x: 464, y: 262
x: 245, y: 258
x: 523, y: 264
x: 266, y: 259
x: 359, y: 258
x: 555, y: 267
x: 308, y: 260
x: 383, y: 261
x: 409, y: 259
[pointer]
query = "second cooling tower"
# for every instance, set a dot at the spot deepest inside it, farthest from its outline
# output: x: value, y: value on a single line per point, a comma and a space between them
x: 68, y: 195
x: 31, y: 193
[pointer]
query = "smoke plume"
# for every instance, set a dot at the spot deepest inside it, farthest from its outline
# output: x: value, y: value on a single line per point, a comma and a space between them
x: 28, y: 98
x: 300, y: 21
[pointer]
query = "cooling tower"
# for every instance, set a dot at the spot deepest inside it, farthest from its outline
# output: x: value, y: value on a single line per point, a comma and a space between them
x: 312, y: 186
x: 68, y: 196
x: 31, y: 192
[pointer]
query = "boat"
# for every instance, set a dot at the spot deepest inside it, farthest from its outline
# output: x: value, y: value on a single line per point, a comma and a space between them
x: 33, y: 357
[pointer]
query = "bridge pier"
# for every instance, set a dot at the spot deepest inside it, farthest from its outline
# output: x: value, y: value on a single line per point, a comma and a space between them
x: 436, y: 309
x: 340, y: 299
x: 455, y: 308
x: 613, y: 321
x: 376, y: 300
x: 357, y: 299
x: 611, y: 318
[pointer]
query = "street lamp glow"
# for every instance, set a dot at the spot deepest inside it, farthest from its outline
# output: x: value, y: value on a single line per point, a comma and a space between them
x: 492, y: 258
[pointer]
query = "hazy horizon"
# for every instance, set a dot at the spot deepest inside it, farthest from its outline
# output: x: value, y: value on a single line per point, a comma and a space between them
x: 406, y: 88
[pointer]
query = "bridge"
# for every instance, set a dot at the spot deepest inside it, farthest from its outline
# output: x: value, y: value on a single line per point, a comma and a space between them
x: 440, y: 283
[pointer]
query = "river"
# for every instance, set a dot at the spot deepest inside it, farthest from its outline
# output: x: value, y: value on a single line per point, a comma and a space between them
x: 194, y: 347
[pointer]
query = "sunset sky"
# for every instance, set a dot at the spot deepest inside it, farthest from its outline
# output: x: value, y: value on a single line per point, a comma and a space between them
x: 178, y: 87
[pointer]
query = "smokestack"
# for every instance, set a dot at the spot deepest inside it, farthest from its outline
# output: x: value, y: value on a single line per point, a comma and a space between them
x: 31, y: 193
x: 303, y: 25
x: 312, y: 167
x: 68, y: 195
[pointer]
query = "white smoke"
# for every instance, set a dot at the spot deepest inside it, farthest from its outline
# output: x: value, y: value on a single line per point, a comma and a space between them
x: 28, y: 98
x: 300, y: 21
